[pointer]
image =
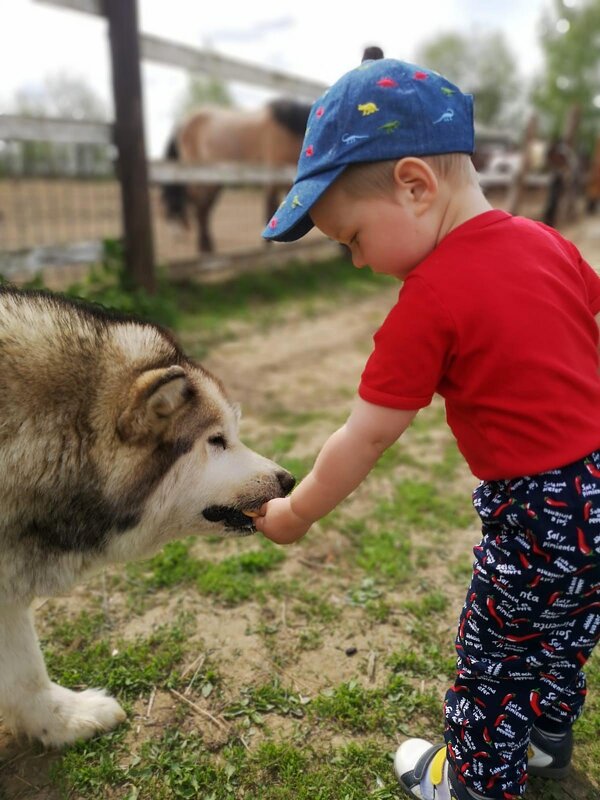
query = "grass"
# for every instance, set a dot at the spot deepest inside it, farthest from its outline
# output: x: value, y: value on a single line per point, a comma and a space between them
x: 317, y: 659
x: 352, y: 706
x: 176, y: 765
x: 82, y: 653
x: 230, y: 581
x: 256, y: 701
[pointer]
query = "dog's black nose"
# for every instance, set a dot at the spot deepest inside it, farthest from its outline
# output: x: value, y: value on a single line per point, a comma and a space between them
x: 286, y: 481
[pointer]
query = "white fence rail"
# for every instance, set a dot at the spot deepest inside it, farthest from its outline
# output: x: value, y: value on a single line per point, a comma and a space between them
x: 229, y: 174
x: 59, y: 131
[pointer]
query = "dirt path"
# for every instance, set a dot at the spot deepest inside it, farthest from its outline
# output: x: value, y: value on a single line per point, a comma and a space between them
x: 303, y: 362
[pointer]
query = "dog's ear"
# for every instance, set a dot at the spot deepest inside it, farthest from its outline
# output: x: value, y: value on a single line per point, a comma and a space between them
x: 153, y: 399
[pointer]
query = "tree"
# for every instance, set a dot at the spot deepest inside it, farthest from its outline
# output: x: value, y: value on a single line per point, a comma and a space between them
x: 570, y: 38
x: 482, y: 65
x: 61, y: 96
x: 203, y: 91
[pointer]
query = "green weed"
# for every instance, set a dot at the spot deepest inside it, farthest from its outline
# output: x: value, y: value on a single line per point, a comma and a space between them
x: 256, y: 701
x: 84, y: 654
x: 310, y: 605
x: 280, y: 771
x: 427, y: 661
x: 352, y: 706
x: 230, y: 581
x: 91, y: 769
x: 427, y: 607
x: 109, y: 285
x: 178, y: 766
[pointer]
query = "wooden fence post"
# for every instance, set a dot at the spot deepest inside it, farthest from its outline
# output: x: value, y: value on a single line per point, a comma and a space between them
x: 515, y: 189
x: 570, y: 132
x: 130, y: 142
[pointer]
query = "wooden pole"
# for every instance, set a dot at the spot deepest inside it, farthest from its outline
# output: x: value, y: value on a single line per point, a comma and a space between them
x: 571, y: 129
x: 130, y: 143
x: 517, y: 185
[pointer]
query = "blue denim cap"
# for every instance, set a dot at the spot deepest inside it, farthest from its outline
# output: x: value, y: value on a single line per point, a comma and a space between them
x: 381, y: 110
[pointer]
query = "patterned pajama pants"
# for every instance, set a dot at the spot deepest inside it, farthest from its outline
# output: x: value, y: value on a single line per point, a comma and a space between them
x: 529, y: 623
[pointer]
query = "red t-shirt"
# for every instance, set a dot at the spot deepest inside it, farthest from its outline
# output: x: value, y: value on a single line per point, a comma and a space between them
x: 499, y: 320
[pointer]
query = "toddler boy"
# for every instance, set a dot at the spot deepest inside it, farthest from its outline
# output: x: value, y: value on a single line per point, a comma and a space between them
x: 500, y: 316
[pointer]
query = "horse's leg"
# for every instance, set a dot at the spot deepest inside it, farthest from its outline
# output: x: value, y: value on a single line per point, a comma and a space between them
x: 271, y: 201
x: 205, y: 199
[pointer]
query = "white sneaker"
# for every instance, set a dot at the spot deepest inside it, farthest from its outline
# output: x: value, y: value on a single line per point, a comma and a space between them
x: 422, y: 770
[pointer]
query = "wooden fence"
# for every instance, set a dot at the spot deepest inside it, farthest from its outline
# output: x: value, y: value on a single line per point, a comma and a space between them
x: 128, y: 47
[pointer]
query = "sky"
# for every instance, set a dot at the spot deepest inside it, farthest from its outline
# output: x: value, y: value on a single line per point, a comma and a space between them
x: 313, y: 38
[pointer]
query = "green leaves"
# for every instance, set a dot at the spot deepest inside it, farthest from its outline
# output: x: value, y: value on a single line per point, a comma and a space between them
x: 570, y: 39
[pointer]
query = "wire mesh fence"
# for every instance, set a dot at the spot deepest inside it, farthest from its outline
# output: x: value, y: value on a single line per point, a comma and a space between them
x: 59, y: 202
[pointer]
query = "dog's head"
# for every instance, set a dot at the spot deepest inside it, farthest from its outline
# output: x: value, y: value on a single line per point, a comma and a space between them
x: 177, y: 446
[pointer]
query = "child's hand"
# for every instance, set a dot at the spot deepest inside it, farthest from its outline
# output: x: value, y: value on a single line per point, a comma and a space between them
x: 279, y: 523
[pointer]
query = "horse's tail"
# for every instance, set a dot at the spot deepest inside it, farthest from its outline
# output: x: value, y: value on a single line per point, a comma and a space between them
x: 291, y: 114
x: 174, y: 195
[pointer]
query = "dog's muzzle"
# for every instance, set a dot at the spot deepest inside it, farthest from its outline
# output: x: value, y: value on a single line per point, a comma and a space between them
x: 232, y: 518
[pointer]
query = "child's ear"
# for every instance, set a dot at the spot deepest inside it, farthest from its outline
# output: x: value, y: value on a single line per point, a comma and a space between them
x: 416, y: 183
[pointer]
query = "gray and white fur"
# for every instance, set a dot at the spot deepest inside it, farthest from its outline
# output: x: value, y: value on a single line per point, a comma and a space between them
x: 112, y: 443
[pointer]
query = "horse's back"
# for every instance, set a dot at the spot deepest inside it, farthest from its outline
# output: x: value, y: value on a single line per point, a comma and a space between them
x: 214, y: 134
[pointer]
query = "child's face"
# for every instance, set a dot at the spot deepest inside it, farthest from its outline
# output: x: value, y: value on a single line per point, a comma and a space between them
x: 387, y: 234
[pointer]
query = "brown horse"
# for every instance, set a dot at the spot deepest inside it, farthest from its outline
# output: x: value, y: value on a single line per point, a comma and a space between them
x: 271, y: 136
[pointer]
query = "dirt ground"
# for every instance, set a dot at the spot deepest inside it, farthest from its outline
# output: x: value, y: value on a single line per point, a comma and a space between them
x: 305, y: 364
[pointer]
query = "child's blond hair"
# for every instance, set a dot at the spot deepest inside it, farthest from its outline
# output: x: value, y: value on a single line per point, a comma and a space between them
x: 376, y: 177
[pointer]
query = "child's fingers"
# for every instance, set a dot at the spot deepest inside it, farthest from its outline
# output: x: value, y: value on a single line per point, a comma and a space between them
x: 259, y: 524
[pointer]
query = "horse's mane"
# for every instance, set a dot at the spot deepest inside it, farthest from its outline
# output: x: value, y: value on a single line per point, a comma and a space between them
x: 291, y: 114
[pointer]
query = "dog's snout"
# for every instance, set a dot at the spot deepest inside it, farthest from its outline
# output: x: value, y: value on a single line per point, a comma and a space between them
x: 286, y: 481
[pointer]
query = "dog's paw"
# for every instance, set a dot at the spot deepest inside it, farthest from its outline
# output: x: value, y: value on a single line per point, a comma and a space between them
x: 58, y: 716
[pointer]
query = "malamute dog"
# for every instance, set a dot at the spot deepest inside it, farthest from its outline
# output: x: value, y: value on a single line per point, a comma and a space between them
x: 112, y: 443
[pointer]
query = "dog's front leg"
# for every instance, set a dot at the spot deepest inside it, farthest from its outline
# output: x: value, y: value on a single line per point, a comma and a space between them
x: 31, y: 704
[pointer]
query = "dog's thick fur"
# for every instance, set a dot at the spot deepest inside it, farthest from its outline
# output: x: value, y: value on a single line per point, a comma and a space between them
x: 112, y: 442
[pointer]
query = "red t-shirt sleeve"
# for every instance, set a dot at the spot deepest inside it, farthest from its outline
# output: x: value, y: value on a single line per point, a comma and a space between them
x: 590, y: 277
x: 592, y: 283
x: 412, y: 350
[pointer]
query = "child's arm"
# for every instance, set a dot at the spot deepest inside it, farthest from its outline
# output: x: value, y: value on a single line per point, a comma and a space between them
x: 344, y: 461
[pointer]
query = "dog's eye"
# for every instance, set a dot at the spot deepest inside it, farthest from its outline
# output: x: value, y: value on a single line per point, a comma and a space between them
x: 218, y: 441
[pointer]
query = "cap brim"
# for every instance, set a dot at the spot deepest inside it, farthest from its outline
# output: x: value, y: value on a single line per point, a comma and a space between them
x: 292, y: 219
